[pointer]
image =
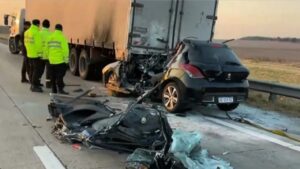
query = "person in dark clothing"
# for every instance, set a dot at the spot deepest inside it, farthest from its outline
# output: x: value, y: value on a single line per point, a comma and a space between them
x: 25, y: 65
x: 58, y: 53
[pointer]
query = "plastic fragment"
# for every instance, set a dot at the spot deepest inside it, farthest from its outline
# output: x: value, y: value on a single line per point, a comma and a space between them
x: 76, y: 146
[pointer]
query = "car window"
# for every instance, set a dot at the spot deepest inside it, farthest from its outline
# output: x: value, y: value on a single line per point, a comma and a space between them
x: 213, y: 55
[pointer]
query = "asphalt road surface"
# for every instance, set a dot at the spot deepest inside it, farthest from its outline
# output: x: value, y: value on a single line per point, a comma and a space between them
x: 26, y: 141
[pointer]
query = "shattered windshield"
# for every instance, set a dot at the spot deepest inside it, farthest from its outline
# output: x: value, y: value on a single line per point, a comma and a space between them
x: 150, y: 29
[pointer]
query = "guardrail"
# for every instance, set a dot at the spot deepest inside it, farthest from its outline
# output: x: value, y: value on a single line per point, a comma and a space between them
x: 274, y: 89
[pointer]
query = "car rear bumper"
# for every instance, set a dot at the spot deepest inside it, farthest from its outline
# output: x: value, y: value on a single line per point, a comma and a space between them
x: 202, y: 90
x: 215, y: 98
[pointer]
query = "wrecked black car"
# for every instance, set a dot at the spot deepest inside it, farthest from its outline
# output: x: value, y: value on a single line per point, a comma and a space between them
x: 91, y: 122
x: 195, y: 72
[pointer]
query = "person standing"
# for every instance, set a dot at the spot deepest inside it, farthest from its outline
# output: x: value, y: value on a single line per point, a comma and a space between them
x: 25, y: 65
x: 45, y: 33
x: 33, y: 47
x: 58, y: 54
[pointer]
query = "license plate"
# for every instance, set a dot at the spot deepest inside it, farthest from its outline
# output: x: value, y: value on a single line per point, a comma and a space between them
x: 225, y: 99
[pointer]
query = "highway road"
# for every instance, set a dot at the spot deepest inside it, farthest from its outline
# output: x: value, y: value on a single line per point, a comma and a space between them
x: 26, y: 141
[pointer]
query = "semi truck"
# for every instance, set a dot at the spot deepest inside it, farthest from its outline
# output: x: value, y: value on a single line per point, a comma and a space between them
x: 15, y: 22
x: 103, y: 31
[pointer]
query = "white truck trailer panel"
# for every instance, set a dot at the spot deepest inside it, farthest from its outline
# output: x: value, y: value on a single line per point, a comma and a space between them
x: 87, y: 22
x: 172, y: 21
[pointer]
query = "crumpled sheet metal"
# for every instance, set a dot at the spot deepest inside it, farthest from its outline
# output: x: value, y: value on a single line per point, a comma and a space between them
x: 186, y: 147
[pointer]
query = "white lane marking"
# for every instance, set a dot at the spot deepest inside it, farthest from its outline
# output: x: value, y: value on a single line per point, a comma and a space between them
x: 47, y: 157
x: 255, y: 134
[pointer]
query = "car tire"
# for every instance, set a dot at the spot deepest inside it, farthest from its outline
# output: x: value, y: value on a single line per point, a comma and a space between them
x: 173, y: 96
x: 84, y: 65
x: 228, y: 107
x: 74, y: 60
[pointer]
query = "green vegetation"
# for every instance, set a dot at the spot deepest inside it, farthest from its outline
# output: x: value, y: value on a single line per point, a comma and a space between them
x: 287, y: 73
x: 283, y: 104
x: 279, y: 39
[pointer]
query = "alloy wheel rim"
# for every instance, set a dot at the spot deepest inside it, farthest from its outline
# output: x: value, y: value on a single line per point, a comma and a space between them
x: 170, y: 97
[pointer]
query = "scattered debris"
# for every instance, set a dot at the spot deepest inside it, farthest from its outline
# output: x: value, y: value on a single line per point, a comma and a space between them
x: 91, y: 94
x: 71, y: 85
x: 181, y: 114
x: 184, y: 152
x: 76, y: 146
x: 94, y: 124
x: 49, y: 118
x: 78, y: 90
x: 225, y: 153
x: 36, y: 126
x: 142, y: 129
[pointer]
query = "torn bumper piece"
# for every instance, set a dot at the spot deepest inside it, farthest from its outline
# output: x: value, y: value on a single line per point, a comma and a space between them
x: 94, y: 124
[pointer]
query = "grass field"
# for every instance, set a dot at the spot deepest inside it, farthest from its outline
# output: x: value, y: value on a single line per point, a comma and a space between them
x: 285, y: 73
x: 277, y: 62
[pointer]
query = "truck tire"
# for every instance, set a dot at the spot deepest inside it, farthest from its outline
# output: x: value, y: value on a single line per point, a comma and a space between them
x: 228, y: 107
x: 13, y: 45
x: 73, y: 63
x: 84, y: 64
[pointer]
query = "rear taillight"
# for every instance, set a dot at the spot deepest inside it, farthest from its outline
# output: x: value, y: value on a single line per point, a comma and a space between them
x: 192, y: 71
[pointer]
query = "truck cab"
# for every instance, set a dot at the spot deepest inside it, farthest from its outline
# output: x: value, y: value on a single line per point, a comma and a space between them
x: 15, y: 22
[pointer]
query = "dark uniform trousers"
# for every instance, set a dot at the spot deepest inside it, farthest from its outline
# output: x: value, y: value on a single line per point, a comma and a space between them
x: 57, y: 73
x: 25, y: 68
x: 45, y: 65
x: 35, y: 71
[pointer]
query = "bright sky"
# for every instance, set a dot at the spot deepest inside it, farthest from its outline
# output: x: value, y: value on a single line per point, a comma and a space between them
x: 236, y: 18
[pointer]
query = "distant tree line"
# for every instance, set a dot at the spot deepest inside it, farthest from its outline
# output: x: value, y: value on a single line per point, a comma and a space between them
x: 279, y: 39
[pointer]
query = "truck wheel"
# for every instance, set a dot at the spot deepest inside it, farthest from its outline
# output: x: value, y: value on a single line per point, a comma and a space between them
x: 228, y: 107
x: 13, y: 46
x: 73, y: 63
x: 173, y: 97
x: 84, y: 64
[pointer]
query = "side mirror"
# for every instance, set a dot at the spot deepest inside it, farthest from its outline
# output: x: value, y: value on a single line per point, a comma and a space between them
x: 6, y: 20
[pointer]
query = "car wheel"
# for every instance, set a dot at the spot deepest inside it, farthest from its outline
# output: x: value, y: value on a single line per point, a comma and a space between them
x: 172, y: 97
x: 228, y: 107
x: 73, y: 63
